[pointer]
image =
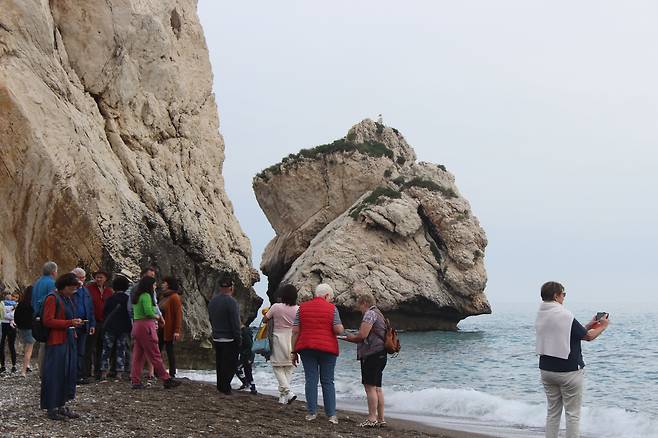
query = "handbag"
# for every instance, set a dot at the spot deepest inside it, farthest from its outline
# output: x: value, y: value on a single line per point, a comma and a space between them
x: 263, y: 342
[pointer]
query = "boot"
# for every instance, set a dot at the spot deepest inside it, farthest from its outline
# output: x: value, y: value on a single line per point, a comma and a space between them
x: 252, y: 389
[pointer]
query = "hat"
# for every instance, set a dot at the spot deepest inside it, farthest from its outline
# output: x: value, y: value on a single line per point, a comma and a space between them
x: 226, y: 282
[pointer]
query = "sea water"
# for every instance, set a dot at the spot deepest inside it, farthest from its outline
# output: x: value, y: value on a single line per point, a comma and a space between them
x: 486, y: 375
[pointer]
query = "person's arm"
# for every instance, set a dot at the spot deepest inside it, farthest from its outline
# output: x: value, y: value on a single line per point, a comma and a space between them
x: 235, y: 322
x: 364, y: 331
x: 595, y: 330
x: 338, y: 325
x: 50, y: 319
x: 147, y: 306
x: 91, y: 316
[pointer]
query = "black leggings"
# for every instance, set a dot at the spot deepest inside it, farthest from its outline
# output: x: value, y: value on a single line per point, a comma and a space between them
x: 171, y: 356
x: 8, y: 333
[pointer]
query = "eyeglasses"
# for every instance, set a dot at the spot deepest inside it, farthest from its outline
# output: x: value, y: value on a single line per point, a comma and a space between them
x: 564, y: 294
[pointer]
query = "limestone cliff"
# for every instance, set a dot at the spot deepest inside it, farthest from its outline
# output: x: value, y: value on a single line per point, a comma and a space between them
x: 363, y: 215
x: 111, y: 155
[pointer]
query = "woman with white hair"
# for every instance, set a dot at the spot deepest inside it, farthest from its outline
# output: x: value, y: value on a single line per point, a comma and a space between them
x: 314, y: 338
x: 371, y: 353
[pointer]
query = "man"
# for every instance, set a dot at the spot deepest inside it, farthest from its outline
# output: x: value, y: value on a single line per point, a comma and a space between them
x: 99, y: 292
x: 43, y: 286
x: 84, y: 310
x: 224, y: 315
x: 40, y: 289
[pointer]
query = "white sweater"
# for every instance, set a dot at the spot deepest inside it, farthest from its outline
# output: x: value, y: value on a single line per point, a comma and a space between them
x: 553, y: 329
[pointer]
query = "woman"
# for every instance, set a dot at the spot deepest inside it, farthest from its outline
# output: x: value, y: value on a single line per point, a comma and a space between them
x: 145, y: 335
x: 314, y: 338
x: 116, y: 328
x: 282, y: 315
x: 8, y: 332
x: 23, y: 319
x: 371, y: 353
x: 172, y: 312
x: 60, y: 364
x: 560, y: 357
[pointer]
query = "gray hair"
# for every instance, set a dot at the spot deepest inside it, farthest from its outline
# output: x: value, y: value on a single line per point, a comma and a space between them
x: 366, y: 298
x: 79, y: 272
x: 49, y: 268
x: 323, y: 290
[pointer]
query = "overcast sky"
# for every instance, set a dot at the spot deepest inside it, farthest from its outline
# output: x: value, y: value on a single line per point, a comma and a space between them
x: 545, y: 112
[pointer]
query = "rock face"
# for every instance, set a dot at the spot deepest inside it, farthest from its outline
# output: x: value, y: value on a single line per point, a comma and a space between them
x: 111, y: 155
x: 362, y: 215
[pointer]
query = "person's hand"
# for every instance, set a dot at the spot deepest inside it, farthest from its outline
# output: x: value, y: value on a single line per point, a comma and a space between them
x: 604, y: 322
x: 161, y: 321
x: 592, y: 323
x: 77, y: 322
x: 92, y: 330
x: 295, y: 359
x: 12, y: 324
x: 176, y: 337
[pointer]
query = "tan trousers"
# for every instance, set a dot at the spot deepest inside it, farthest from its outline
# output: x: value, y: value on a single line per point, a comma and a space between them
x: 283, y: 375
x: 563, y: 390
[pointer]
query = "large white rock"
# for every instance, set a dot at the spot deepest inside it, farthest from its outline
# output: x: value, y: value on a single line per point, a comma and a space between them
x: 111, y: 155
x: 407, y: 237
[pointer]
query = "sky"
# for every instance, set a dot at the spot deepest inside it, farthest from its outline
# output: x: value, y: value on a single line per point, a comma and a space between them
x: 545, y: 111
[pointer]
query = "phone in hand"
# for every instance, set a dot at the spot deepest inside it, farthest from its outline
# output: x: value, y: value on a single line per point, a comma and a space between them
x: 600, y: 315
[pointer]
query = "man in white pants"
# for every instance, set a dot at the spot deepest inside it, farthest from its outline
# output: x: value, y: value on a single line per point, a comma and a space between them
x: 560, y: 358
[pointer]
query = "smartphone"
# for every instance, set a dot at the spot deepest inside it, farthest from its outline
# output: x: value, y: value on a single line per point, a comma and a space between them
x: 600, y: 315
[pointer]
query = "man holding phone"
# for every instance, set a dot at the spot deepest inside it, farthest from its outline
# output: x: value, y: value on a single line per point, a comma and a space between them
x: 83, y: 308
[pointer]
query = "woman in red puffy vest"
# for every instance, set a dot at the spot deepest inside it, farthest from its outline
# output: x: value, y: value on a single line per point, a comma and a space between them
x: 314, y: 338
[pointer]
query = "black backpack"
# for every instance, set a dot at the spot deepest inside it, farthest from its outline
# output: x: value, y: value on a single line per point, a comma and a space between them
x: 39, y: 331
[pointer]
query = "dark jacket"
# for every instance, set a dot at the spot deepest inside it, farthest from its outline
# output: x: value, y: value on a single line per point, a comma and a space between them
x: 224, y: 315
x: 246, y: 355
x: 115, y: 314
x: 83, y: 307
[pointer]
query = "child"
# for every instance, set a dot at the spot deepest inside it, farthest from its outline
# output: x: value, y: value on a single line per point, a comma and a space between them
x: 244, y: 371
x: 8, y: 332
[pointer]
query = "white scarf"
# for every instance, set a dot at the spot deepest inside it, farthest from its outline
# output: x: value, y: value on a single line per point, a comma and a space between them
x: 553, y: 328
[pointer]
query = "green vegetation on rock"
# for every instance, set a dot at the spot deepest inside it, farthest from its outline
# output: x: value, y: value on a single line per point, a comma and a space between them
x: 374, y: 198
x: 372, y: 148
x: 430, y: 185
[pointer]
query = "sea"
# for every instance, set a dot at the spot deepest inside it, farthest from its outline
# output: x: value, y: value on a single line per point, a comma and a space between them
x: 484, y: 377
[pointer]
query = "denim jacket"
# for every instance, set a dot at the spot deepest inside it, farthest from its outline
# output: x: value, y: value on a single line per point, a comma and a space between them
x: 83, y: 307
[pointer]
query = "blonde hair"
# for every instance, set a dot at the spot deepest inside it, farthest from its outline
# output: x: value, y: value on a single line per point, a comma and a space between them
x: 365, y: 298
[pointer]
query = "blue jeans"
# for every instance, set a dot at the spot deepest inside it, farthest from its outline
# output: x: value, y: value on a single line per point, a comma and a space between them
x: 80, y: 340
x: 319, y: 365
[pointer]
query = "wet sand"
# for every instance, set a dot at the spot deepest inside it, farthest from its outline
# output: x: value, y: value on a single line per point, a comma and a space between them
x: 112, y: 409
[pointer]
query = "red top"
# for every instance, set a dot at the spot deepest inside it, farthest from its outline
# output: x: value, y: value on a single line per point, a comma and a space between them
x: 316, y: 327
x: 98, y: 299
x: 172, y: 310
x: 58, y: 324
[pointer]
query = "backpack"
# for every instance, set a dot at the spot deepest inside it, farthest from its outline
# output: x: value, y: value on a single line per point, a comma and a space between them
x: 39, y: 331
x: 391, y: 341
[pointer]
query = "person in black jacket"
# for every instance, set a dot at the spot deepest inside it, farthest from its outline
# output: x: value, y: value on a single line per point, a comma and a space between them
x: 247, y: 356
x: 23, y: 320
x: 117, y: 327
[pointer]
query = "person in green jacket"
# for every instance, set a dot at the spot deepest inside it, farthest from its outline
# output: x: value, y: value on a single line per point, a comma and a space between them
x: 145, y: 335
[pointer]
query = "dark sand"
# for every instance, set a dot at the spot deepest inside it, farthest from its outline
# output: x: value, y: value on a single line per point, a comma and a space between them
x: 113, y: 409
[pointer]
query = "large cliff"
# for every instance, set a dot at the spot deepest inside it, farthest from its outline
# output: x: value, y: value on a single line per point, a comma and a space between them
x: 363, y: 215
x: 110, y: 151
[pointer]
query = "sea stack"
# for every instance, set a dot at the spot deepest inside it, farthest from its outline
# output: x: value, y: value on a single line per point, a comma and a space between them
x: 363, y: 215
x: 110, y: 151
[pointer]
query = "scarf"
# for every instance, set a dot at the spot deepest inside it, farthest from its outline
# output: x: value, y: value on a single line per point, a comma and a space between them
x: 553, y: 329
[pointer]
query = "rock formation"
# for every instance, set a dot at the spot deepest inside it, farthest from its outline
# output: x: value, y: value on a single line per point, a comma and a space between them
x: 363, y: 215
x: 110, y: 151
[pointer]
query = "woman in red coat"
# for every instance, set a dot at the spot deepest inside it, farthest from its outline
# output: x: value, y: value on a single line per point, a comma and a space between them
x: 60, y: 365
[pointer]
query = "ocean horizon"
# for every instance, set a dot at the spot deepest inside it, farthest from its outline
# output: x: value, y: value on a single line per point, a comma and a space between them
x: 484, y: 377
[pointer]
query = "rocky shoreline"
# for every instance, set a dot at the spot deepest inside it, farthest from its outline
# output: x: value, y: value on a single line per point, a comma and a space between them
x: 112, y: 409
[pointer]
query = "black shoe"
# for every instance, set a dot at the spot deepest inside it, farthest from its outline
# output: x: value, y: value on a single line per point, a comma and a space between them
x: 171, y: 383
x: 83, y: 381
x: 28, y: 370
x: 68, y: 413
x: 2, y: 369
x: 54, y: 415
x: 252, y: 389
x: 243, y: 386
x: 13, y: 369
x: 138, y: 386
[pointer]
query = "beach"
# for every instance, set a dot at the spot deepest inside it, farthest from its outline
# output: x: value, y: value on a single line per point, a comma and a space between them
x: 110, y: 409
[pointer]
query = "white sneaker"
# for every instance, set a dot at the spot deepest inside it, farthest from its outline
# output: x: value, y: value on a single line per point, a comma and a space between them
x: 283, y: 399
x: 291, y: 397
x: 311, y: 417
x: 333, y: 419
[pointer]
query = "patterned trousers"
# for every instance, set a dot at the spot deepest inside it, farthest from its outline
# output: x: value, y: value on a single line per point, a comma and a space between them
x: 122, y: 344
